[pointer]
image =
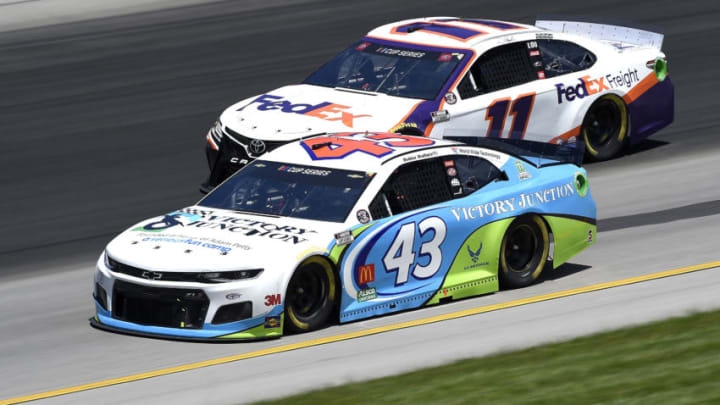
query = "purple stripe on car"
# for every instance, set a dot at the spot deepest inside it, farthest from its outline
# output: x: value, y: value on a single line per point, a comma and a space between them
x: 421, y: 115
x: 652, y: 111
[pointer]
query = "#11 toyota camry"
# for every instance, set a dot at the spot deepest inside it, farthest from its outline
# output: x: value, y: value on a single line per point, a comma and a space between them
x: 344, y: 227
x: 442, y: 77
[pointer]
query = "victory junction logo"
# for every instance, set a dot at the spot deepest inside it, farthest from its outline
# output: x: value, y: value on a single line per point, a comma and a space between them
x: 170, y: 220
x: 521, y: 201
x: 194, y: 218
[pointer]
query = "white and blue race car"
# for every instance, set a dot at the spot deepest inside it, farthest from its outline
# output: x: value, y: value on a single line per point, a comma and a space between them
x: 441, y: 77
x: 344, y: 227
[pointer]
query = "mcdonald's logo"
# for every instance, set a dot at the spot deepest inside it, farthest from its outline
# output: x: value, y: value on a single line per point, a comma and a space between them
x: 366, y: 274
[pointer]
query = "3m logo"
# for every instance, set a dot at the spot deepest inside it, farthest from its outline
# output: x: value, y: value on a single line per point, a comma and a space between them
x: 272, y: 300
x: 366, y: 274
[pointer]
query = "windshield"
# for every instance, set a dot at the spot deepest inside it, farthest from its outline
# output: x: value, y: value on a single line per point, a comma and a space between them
x: 290, y: 190
x: 396, y: 71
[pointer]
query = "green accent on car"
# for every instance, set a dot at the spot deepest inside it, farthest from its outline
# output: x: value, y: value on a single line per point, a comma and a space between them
x: 581, y: 184
x: 570, y: 237
x: 142, y: 229
x: 661, y: 69
x: 474, y: 269
x: 259, y: 331
x: 337, y: 251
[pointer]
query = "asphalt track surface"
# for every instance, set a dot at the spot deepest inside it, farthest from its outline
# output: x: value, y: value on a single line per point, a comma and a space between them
x: 102, y: 123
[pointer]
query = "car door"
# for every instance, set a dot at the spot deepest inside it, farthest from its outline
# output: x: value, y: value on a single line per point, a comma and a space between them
x: 506, y: 94
x: 402, y: 262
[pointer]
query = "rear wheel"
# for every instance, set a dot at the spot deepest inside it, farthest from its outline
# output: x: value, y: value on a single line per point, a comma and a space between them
x: 311, y: 296
x: 605, y: 128
x: 524, y: 251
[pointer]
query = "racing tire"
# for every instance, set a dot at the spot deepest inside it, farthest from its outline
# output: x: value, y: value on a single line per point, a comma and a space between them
x: 406, y: 130
x: 523, y: 252
x: 311, y: 296
x: 605, y: 128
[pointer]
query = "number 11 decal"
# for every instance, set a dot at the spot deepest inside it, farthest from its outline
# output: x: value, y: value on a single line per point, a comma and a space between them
x: 520, y: 109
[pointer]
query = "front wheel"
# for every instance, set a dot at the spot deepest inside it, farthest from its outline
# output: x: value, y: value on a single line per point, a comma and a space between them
x: 605, y: 128
x: 524, y: 251
x: 311, y: 296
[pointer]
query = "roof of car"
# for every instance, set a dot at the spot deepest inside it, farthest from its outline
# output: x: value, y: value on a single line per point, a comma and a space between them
x: 360, y: 151
x: 453, y: 32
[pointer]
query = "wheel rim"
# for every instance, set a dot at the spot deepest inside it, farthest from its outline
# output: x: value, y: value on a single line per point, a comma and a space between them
x: 307, y: 293
x: 520, y: 248
x: 603, y: 123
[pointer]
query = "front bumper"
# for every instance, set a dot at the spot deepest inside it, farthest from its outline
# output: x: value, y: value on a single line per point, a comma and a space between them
x: 169, y: 333
x: 137, y: 306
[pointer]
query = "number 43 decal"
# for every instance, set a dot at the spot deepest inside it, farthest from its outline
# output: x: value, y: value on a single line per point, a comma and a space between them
x: 520, y: 109
x: 401, y: 257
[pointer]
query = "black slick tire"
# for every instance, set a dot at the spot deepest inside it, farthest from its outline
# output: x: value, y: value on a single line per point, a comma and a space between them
x: 311, y: 296
x: 605, y: 128
x: 523, y: 252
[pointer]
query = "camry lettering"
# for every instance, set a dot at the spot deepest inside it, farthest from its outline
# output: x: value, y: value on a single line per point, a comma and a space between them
x: 326, y: 110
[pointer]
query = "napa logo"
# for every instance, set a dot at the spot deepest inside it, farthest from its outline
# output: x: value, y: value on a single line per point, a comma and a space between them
x: 326, y: 110
x: 475, y: 257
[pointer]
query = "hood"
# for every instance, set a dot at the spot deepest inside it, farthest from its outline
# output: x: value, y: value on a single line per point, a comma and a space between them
x: 204, y: 239
x: 291, y: 112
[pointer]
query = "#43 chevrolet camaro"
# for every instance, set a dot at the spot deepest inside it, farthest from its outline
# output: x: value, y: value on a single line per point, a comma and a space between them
x: 344, y: 227
x: 444, y: 76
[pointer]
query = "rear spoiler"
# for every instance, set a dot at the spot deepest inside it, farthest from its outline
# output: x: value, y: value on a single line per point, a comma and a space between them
x: 603, y: 30
x: 539, y: 154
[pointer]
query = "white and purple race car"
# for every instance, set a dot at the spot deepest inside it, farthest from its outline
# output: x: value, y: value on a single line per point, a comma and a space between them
x: 441, y: 77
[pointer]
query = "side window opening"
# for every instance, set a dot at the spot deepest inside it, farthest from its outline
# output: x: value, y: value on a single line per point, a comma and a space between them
x: 474, y: 173
x: 424, y: 183
x: 499, y: 68
x: 379, y: 207
x: 562, y: 57
x: 411, y: 186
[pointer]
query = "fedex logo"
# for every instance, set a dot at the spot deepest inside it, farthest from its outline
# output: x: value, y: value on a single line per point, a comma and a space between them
x: 326, y: 110
x: 588, y: 86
